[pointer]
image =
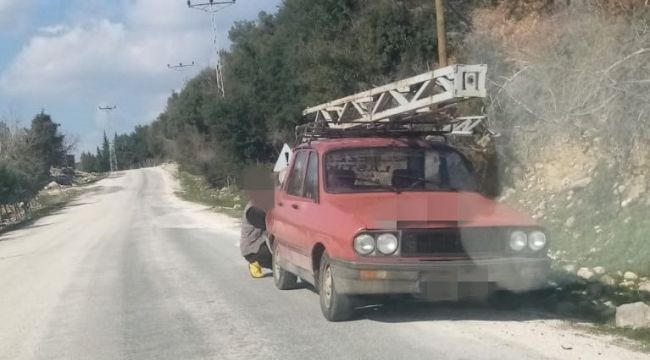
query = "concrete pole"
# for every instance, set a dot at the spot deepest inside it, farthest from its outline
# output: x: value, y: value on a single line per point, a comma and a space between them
x: 442, y: 35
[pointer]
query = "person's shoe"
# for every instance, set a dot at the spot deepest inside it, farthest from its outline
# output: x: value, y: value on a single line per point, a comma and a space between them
x: 255, y: 270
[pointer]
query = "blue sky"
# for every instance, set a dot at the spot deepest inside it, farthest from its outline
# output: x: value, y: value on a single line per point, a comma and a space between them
x: 68, y: 57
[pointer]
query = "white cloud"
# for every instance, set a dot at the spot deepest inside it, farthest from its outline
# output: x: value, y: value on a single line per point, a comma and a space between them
x: 81, y: 58
x: 114, y: 55
x: 12, y: 13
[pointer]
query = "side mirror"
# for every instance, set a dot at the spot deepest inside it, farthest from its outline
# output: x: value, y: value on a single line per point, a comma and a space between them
x: 256, y: 217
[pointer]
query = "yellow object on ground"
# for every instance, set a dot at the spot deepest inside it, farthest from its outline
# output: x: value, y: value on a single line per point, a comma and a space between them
x: 255, y: 270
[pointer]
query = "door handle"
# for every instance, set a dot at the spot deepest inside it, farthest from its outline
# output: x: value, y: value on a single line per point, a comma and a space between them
x: 280, y: 203
x: 295, y: 206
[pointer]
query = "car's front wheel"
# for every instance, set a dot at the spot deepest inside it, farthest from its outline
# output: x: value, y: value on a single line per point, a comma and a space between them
x: 335, y: 306
x: 283, y: 279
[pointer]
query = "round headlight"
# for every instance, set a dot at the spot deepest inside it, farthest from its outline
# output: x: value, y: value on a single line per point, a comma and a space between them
x: 518, y: 240
x: 387, y: 244
x: 536, y: 240
x: 364, y: 244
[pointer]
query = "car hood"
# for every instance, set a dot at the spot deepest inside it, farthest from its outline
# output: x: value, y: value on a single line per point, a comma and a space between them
x: 427, y: 209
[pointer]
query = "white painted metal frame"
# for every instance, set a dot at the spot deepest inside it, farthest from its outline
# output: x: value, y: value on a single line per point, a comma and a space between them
x: 418, y: 95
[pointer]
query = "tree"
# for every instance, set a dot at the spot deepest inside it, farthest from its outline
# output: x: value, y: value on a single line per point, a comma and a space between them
x: 46, y: 142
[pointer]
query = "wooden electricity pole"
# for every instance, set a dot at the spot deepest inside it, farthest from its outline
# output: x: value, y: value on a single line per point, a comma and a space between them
x: 442, y: 35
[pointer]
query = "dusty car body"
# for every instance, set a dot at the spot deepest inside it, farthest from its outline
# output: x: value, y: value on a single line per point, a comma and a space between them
x: 371, y: 216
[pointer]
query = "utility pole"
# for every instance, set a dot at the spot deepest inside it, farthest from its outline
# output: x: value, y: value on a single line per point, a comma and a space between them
x: 112, y: 157
x: 212, y: 7
x: 442, y: 35
x: 181, y: 68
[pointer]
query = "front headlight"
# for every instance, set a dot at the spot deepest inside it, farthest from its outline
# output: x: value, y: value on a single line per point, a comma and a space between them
x: 387, y: 243
x: 518, y: 240
x: 364, y: 244
x: 536, y: 240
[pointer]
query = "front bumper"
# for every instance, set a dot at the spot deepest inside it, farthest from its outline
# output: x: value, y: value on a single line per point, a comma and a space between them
x: 441, y: 280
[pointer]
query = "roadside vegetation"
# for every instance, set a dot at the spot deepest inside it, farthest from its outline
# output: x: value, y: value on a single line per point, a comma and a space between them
x: 228, y: 199
x: 26, y: 157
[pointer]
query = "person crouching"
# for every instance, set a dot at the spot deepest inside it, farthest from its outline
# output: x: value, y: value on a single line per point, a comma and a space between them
x: 253, y: 243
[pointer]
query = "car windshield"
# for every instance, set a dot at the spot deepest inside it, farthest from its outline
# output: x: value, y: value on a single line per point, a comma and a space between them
x: 397, y: 169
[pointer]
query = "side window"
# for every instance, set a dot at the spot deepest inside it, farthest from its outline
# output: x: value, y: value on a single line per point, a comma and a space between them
x: 297, y: 174
x: 311, y: 179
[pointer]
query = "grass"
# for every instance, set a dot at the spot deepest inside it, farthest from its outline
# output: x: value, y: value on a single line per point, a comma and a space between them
x: 229, y: 201
x: 640, y: 335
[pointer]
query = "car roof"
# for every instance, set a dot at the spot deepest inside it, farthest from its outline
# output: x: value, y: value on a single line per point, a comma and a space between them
x: 325, y: 145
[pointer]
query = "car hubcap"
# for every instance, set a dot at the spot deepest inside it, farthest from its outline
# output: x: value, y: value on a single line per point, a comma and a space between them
x: 327, y: 286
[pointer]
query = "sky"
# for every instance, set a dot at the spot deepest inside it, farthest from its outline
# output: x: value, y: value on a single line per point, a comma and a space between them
x: 68, y: 57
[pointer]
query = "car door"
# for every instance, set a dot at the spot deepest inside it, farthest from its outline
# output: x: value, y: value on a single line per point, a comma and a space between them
x: 301, y: 196
x: 287, y: 204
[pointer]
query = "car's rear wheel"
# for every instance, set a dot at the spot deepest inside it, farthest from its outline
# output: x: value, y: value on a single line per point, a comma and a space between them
x: 283, y: 279
x: 335, y: 306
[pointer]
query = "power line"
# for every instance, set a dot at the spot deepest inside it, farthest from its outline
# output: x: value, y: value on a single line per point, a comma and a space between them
x: 112, y: 157
x: 213, y: 7
x: 180, y: 67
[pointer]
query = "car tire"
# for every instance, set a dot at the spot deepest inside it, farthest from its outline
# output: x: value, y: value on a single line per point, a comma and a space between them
x: 335, y: 306
x: 282, y: 279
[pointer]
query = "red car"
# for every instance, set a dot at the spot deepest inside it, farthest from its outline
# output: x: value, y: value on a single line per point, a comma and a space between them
x: 372, y: 216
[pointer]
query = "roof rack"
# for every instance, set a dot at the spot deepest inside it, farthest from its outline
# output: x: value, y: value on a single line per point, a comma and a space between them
x: 416, y: 106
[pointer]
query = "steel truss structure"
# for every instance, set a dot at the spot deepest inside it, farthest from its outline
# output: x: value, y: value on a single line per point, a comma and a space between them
x: 416, y: 106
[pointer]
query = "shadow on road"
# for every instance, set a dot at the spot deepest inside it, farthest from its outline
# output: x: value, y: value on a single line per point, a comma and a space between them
x: 105, y: 190
x: 414, y: 311
x: 49, y: 210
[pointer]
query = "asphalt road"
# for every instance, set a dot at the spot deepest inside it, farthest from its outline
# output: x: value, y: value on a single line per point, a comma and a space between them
x: 128, y: 271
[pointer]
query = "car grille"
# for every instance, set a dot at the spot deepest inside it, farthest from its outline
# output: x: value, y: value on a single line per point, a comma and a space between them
x: 470, y: 243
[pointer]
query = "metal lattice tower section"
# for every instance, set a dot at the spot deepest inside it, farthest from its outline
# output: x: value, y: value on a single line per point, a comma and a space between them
x: 112, y: 156
x: 213, y: 7
x: 423, y: 104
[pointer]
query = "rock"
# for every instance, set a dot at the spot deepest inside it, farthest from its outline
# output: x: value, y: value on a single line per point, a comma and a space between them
x: 570, y: 268
x: 628, y: 201
x: 635, y: 315
x: 630, y: 276
x: 598, y: 270
x: 237, y: 206
x: 582, y: 183
x: 570, y: 221
x: 585, y: 273
x: 607, y: 280
x: 52, y: 185
x: 626, y: 283
x: 645, y: 286
x: 55, y: 192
